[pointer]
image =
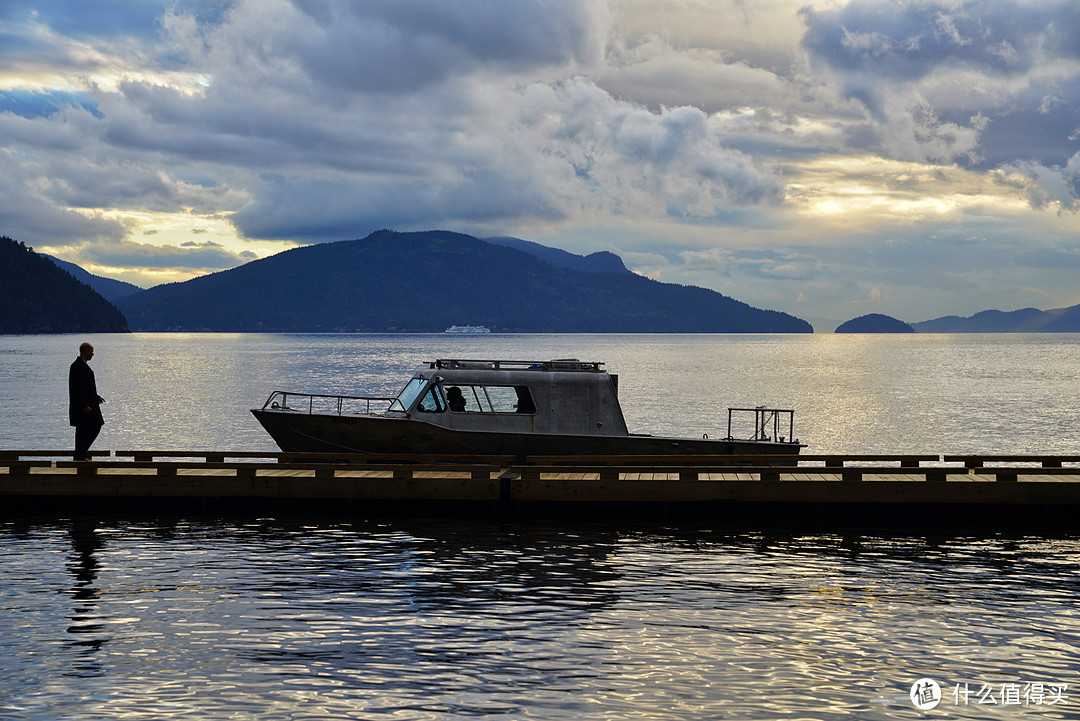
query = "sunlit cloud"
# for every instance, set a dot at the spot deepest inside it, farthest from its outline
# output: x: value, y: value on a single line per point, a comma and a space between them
x: 879, y: 191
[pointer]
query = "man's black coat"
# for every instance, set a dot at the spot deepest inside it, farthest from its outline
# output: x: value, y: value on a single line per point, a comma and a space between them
x: 82, y: 392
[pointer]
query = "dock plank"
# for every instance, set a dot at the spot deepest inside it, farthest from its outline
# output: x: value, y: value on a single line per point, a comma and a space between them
x: 861, y: 480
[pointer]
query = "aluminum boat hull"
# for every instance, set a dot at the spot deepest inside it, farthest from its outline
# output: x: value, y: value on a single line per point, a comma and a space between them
x: 318, y: 433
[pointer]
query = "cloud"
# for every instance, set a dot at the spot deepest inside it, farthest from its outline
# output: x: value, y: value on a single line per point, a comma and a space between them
x: 659, y: 75
x: 763, y: 263
x: 788, y: 155
x: 977, y: 81
x: 912, y: 39
x: 29, y: 215
x: 543, y: 152
x: 204, y: 256
x: 1044, y: 187
x: 315, y: 120
x: 317, y: 47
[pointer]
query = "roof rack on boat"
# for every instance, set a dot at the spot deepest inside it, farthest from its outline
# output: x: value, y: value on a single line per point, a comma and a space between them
x: 559, y: 364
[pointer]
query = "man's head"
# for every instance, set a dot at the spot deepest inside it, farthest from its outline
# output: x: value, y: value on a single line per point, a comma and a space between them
x: 86, y: 351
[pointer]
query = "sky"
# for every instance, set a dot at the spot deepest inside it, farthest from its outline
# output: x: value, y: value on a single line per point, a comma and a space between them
x: 829, y: 159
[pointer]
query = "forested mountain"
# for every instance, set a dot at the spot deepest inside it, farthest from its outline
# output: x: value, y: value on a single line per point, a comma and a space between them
x: 38, y: 297
x: 1025, y: 320
x: 428, y: 281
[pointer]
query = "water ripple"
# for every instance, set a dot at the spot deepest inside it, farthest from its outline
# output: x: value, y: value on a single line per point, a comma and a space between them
x: 286, y: 620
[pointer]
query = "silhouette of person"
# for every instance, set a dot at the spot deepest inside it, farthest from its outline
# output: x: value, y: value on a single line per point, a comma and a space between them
x: 454, y: 399
x: 84, y: 403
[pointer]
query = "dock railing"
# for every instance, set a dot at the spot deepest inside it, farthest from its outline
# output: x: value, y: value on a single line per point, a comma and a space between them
x: 846, y: 467
x: 33, y: 480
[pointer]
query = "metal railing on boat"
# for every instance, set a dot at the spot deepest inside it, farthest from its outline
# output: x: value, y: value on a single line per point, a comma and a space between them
x: 337, y: 404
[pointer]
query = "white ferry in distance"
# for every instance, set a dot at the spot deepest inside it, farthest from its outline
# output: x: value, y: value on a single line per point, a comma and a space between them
x: 467, y: 329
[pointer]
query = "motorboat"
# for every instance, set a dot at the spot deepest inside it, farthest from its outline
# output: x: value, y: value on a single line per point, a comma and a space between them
x: 500, y: 407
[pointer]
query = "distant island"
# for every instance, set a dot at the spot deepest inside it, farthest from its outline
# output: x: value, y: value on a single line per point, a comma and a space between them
x: 429, y: 281
x: 874, y: 323
x: 36, y: 296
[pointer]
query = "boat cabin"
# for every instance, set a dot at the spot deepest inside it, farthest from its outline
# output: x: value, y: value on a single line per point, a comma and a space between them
x: 558, y: 396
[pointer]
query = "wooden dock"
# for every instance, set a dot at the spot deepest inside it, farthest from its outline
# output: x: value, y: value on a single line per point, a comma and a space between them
x: 950, y: 489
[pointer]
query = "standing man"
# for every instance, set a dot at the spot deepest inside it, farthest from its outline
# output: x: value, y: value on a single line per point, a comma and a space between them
x: 84, y: 406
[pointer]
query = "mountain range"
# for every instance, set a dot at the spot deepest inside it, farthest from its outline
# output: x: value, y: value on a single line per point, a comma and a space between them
x: 395, y: 281
x: 1025, y: 320
x: 427, y: 281
x: 108, y: 288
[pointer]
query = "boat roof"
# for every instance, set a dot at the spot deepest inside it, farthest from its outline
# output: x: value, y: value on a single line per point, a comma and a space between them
x: 569, y: 365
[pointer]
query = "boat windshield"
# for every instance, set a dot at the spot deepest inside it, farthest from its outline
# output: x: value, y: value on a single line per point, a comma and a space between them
x: 408, y: 394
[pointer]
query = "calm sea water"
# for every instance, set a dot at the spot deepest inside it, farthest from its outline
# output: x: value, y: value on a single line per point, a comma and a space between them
x: 128, y: 617
x: 851, y: 393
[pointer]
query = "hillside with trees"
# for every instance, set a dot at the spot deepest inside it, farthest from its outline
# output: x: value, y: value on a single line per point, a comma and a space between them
x: 427, y: 281
x: 38, y: 297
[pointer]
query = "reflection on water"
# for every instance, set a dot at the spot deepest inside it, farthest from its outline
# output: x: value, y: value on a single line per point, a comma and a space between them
x: 86, y: 628
x: 213, y: 619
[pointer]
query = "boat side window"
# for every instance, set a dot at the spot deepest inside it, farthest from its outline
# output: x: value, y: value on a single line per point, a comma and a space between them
x: 490, y: 399
x: 476, y: 400
x: 408, y: 394
x: 432, y: 402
